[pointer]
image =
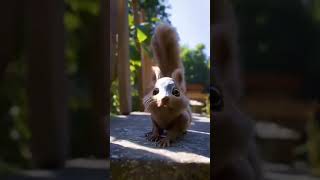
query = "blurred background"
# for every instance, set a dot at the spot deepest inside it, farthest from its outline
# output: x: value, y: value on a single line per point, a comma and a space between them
x: 53, y: 87
x: 277, y: 50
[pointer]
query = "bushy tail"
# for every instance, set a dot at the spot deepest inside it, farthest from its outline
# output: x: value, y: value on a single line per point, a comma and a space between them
x: 166, y: 49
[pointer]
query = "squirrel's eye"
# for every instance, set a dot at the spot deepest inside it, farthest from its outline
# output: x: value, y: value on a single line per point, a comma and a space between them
x: 155, y: 91
x: 216, y: 99
x: 175, y: 92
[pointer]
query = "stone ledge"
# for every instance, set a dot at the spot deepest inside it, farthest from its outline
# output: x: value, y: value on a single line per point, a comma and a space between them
x: 132, y: 169
x: 133, y: 156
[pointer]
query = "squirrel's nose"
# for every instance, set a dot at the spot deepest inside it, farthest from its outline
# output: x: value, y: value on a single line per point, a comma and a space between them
x: 165, y: 100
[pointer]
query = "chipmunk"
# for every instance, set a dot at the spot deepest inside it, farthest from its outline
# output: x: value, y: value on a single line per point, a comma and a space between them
x: 166, y: 101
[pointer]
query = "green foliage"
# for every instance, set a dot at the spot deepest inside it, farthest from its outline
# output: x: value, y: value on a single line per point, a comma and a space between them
x: 206, y: 108
x: 313, y: 143
x: 14, y: 132
x: 276, y: 36
x: 84, y: 6
x: 196, y: 65
x: 155, y: 10
x: 316, y: 10
x: 115, y: 102
x: 141, y: 35
x: 72, y: 21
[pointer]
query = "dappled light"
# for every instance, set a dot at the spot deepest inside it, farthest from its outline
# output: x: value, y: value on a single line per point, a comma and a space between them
x: 180, y: 156
x: 128, y: 141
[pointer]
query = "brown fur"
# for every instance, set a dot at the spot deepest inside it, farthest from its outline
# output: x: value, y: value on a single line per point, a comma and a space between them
x: 166, y: 49
x: 170, y: 113
x: 226, y: 52
x: 234, y: 149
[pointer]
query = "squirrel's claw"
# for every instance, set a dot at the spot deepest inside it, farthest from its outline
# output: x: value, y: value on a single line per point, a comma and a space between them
x: 164, y: 142
x: 151, y: 137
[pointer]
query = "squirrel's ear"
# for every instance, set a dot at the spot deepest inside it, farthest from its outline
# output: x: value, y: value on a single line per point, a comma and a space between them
x: 155, y: 73
x: 178, y: 76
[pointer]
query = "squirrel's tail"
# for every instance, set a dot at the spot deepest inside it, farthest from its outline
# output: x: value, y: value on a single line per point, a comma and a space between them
x: 166, y: 49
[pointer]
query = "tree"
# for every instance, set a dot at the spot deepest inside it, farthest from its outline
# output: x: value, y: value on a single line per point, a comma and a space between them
x: 196, y: 65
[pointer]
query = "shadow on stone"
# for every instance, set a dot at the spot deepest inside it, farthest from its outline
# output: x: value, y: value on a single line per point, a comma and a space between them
x: 128, y: 134
x: 133, y: 156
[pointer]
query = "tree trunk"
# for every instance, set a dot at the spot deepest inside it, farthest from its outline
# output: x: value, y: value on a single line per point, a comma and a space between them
x: 46, y: 83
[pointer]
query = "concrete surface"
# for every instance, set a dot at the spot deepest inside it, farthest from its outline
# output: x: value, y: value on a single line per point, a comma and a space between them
x: 132, y: 156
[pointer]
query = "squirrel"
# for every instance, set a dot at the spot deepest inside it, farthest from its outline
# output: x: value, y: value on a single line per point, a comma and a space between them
x: 235, y: 149
x: 166, y: 100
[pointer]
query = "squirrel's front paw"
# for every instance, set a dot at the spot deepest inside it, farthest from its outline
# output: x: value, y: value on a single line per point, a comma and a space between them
x: 164, y: 142
x: 152, y: 137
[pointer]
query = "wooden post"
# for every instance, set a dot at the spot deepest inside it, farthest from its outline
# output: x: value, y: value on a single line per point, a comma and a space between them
x: 46, y: 83
x: 137, y: 19
x: 146, y: 64
x: 105, y: 57
x: 146, y: 71
x: 123, y: 58
x: 9, y: 14
x: 99, y: 76
x: 113, y: 39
